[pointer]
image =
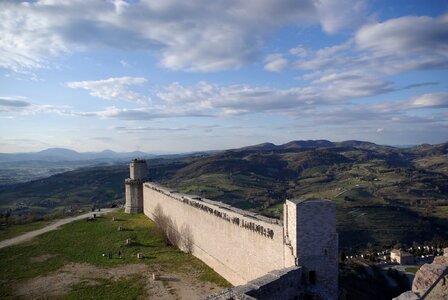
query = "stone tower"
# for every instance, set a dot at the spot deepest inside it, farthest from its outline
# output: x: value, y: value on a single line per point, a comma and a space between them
x: 310, y: 236
x: 134, y: 186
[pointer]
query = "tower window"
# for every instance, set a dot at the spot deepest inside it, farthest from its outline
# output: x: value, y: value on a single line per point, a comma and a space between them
x: 312, y: 277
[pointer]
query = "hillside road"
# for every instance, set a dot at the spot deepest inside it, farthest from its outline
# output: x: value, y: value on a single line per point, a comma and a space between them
x: 50, y: 227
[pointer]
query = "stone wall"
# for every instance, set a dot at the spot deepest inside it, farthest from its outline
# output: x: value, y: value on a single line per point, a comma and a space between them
x: 239, y: 245
x: 243, y: 246
x: 278, y: 284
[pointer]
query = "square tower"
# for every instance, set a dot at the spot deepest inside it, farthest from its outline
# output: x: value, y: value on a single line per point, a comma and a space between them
x: 310, y: 234
x: 137, y: 169
x: 134, y: 186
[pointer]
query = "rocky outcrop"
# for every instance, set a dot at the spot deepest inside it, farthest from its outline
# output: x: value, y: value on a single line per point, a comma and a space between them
x: 409, y: 295
x: 430, y: 282
x: 443, y: 260
x: 427, y: 277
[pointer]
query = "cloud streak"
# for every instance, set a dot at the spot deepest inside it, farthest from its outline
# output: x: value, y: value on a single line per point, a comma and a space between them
x: 275, y: 62
x: 13, y: 103
x: 113, y: 88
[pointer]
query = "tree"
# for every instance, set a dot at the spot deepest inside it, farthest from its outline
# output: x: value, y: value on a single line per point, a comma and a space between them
x: 165, y: 227
x: 186, y: 239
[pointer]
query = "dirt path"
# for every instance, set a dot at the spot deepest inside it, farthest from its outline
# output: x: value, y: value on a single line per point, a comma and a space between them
x: 30, y: 235
x: 172, y: 286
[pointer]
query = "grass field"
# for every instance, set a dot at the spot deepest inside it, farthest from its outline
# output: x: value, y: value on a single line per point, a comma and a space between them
x: 85, y: 242
x: 7, y: 232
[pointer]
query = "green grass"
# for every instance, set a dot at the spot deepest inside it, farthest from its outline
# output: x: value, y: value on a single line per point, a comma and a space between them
x: 85, y: 242
x: 441, y: 211
x: 16, y: 230
x: 412, y: 270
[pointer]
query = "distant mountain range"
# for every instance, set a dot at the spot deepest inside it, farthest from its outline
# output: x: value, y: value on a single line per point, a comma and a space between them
x: 314, y: 144
x: 68, y: 155
x: 62, y: 154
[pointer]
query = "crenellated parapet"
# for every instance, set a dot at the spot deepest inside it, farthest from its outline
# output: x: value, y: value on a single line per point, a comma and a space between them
x: 134, y: 181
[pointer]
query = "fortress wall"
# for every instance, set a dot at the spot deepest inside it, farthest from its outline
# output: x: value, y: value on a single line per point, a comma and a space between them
x: 239, y: 245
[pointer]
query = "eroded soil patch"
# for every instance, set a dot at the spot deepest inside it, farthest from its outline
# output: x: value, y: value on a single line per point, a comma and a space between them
x: 59, y: 283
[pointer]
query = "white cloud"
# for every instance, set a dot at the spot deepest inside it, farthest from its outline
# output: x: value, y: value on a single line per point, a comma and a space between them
x: 113, y: 88
x: 275, y: 62
x: 391, y: 47
x: 405, y: 44
x: 327, y: 58
x: 341, y: 14
x: 144, y: 113
x: 352, y: 84
x: 434, y: 100
x: 299, y: 51
x: 27, y: 37
x: 406, y: 35
x: 125, y: 64
x: 206, y: 100
x: 236, y: 98
x: 196, y: 35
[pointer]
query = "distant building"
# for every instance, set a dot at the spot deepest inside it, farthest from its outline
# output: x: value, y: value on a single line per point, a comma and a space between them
x: 401, y: 257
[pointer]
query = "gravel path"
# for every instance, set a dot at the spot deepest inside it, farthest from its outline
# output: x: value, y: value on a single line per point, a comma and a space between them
x: 29, y: 235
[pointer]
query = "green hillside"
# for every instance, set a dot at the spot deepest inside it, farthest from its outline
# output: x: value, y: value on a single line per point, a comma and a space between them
x: 384, y: 194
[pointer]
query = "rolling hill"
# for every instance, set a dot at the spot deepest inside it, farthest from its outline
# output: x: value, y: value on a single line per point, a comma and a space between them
x: 384, y: 194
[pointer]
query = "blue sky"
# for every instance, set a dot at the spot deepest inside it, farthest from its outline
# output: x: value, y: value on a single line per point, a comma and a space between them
x: 178, y: 76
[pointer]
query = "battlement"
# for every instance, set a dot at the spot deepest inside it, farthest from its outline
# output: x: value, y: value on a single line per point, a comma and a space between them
x: 134, y: 181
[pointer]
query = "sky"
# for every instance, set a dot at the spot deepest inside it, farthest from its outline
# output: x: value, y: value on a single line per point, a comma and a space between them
x: 180, y: 76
